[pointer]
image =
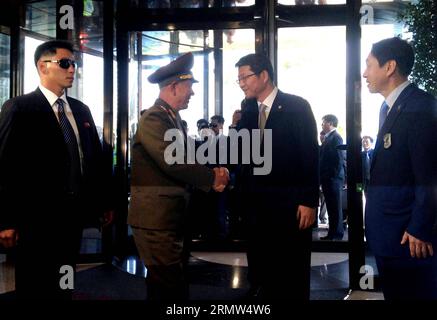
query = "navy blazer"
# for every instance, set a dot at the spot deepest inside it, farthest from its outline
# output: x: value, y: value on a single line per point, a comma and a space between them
x: 332, y: 160
x: 33, y: 164
x: 294, y: 178
x: 401, y: 193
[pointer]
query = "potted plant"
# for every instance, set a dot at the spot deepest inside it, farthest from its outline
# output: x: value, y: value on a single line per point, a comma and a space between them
x: 420, y: 18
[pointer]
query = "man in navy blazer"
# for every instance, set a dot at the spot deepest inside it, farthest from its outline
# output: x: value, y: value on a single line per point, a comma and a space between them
x: 281, y: 205
x: 400, y: 208
x: 332, y: 162
x: 52, y: 178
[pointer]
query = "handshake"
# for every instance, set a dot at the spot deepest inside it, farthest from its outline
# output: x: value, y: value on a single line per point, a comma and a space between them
x: 221, y: 179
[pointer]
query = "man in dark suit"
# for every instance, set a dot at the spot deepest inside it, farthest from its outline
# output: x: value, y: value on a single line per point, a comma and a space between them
x: 281, y: 205
x: 332, y: 162
x: 400, y: 208
x: 51, y: 176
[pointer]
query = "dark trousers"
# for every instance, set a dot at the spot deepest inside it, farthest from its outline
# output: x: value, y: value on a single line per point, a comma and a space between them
x: 332, y: 191
x: 166, y: 283
x: 164, y: 256
x: 408, y: 278
x: 278, y: 254
x: 40, y: 255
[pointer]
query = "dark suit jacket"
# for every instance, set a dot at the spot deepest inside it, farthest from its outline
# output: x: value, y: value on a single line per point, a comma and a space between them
x: 33, y: 165
x: 401, y: 194
x: 366, y: 166
x: 294, y: 178
x: 331, y: 159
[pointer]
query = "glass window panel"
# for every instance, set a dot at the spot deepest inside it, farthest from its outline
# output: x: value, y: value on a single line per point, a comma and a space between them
x: 375, y: 1
x: 92, y: 86
x: 31, y: 78
x: 156, y: 43
x: 236, y: 44
x: 156, y: 47
x: 159, y: 4
x: 5, y: 56
x: 238, y: 3
x: 133, y: 102
x: 115, y: 112
x: 312, y: 64
x: 91, y: 30
x: 211, y: 75
x: 190, y: 41
x: 41, y: 17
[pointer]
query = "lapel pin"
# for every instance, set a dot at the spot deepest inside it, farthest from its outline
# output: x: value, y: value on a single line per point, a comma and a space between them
x: 279, y: 107
x: 86, y: 125
x: 387, y: 140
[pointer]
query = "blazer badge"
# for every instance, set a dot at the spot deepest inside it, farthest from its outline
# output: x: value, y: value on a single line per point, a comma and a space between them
x: 387, y: 140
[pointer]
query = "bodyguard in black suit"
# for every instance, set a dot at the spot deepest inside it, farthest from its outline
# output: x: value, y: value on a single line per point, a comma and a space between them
x: 280, y: 205
x: 332, y: 162
x: 51, y: 176
x: 401, y: 197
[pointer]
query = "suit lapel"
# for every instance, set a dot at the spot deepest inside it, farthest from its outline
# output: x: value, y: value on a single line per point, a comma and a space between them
x: 43, y: 106
x: 274, y: 111
x: 78, y: 117
x: 393, y: 115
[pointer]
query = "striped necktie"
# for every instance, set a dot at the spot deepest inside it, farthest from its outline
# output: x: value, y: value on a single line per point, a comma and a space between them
x: 73, y: 149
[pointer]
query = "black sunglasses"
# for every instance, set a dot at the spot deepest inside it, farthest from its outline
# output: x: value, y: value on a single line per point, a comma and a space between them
x: 213, y: 125
x: 63, y: 63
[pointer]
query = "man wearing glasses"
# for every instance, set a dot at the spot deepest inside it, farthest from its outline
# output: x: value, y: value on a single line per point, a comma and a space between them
x: 280, y: 206
x: 52, y: 179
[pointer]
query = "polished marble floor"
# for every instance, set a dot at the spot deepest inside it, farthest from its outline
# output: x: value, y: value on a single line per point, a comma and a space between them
x: 212, y: 276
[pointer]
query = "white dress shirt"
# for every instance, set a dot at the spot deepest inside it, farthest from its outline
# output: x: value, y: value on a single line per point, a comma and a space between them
x: 268, y: 102
x: 394, y: 95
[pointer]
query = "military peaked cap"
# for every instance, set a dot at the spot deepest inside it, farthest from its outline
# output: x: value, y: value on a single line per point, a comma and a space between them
x: 177, y: 70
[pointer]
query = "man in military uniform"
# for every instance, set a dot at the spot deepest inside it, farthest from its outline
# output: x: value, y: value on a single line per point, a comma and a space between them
x: 159, y: 189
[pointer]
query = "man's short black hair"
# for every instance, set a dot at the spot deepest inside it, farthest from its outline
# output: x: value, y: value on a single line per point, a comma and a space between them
x: 50, y: 47
x: 202, y: 123
x: 331, y: 119
x: 368, y: 137
x: 257, y: 63
x: 394, y: 49
x: 218, y: 118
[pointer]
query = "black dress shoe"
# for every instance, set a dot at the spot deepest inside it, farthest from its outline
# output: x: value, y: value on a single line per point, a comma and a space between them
x: 253, y: 294
x: 326, y: 238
